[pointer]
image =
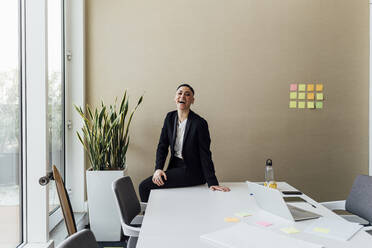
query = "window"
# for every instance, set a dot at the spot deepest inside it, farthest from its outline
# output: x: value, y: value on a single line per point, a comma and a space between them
x: 10, y: 126
x: 55, y: 95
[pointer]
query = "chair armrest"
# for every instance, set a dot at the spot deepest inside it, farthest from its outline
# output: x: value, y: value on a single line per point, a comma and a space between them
x: 367, y: 228
x: 137, y: 220
x: 143, y: 206
x: 130, y: 230
x: 334, y: 205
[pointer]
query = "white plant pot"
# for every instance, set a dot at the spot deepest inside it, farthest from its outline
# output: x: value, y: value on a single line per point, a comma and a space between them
x: 103, y: 213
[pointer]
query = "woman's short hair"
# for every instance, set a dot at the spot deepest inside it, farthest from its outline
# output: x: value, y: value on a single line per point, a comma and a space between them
x: 186, y: 85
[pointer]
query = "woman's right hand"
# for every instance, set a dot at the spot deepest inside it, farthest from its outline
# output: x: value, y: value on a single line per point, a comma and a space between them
x: 156, y: 178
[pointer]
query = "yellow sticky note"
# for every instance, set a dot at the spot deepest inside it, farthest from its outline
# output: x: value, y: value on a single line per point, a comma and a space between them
x: 319, y: 96
x: 289, y: 230
x: 301, y: 105
x: 310, y: 105
x: 319, y: 87
x: 310, y: 87
x: 301, y: 87
x: 231, y: 219
x: 319, y: 105
x: 292, y: 104
x: 310, y: 96
x: 243, y: 214
x: 293, y: 95
x: 321, y: 230
x: 301, y: 96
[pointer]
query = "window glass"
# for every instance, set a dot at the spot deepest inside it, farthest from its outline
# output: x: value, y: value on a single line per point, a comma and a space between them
x: 10, y: 143
x: 55, y: 95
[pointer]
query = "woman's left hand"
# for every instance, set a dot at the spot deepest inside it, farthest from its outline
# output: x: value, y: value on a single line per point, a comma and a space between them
x: 219, y: 188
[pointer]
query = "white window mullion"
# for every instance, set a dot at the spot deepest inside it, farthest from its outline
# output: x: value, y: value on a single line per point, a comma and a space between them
x: 36, y: 122
x: 75, y: 94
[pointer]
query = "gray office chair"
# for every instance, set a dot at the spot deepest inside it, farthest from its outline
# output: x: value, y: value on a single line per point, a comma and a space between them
x: 82, y: 239
x: 129, y: 208
x: 358, y: 205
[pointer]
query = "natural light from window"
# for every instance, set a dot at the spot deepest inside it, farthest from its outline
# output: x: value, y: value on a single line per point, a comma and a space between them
x: 10, y: 143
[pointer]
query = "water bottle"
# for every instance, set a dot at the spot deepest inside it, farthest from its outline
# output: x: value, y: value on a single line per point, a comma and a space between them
x: 269, y: 175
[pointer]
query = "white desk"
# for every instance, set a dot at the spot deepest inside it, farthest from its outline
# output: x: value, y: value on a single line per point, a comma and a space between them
x: 177, y: 217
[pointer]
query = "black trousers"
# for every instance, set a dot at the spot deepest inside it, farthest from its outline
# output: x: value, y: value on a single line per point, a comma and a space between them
x: 177, y: 176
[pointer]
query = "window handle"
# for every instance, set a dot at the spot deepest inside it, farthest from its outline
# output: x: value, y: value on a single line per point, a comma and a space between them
x: 45, y: 180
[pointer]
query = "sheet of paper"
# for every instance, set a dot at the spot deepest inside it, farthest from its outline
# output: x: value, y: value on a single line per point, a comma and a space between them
x: 231, y: 219
x: 243, y: 235
x: 293, y: 95
x: 301, y: 87
x: 292, y: 104
x: 310, y: 105
x: 293, y: 87
x: 319, y: 105
x: 310, y: 87
x: 243, y: 214
x: 333, y: 228
x: 264, y: 223
x: 289, y: 230
x: 301, y: 105
x: 319, y: 87
x: 310, y: 96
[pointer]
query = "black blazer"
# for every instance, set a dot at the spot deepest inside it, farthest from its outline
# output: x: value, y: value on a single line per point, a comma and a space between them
x: 195, y: 150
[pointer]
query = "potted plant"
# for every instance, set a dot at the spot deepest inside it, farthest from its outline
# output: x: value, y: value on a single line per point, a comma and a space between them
x: 105, y: 137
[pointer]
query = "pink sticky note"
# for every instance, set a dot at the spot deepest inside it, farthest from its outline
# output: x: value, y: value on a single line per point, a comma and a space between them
x: 293, y: 87
x: 263, y: 223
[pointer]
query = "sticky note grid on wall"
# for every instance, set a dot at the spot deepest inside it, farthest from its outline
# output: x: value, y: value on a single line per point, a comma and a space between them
x: 306, y: 96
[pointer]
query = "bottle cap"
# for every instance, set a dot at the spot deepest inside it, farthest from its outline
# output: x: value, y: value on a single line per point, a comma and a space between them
x: 269, y: 162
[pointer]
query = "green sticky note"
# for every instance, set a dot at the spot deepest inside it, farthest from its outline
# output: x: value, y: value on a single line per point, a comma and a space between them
x: 243, y: 214
x: 293, y: 95
x: 289, y: 230
x: 310, y: 105
x: 301, y: 96
x: 292, y: 104
x: 319, y: 105
x: 321, y: 230
x: 319, y: 96
x: 301, y: 105
x: 301, y: 87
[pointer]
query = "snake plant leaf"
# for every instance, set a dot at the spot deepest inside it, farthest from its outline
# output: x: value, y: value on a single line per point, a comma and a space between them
x: 105, y: 133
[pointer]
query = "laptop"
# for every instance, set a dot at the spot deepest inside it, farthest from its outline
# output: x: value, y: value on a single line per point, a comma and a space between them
x: 272, y: 201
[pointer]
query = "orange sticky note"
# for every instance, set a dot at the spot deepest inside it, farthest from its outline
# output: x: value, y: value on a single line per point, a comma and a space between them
x: 319, y: 87
x: 231, y: 219
x: 310, y: 96
x: 310, y: 87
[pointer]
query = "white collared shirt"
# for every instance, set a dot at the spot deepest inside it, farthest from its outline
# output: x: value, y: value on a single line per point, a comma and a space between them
x: 181, y: 126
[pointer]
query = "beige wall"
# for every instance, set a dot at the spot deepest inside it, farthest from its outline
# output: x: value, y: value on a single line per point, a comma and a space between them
x: 241, y: 56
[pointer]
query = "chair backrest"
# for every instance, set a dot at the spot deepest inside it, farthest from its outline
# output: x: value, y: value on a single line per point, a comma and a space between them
x: 359, y: 201
x: 82, y: 239
x: 126, y: 198
x: 65, y: 202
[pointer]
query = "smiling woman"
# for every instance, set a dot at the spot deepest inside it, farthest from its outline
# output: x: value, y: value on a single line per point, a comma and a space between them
x: 187, y: 135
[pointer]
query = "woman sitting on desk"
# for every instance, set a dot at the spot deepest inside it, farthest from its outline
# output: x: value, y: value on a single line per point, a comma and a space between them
x: 190, y: 163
